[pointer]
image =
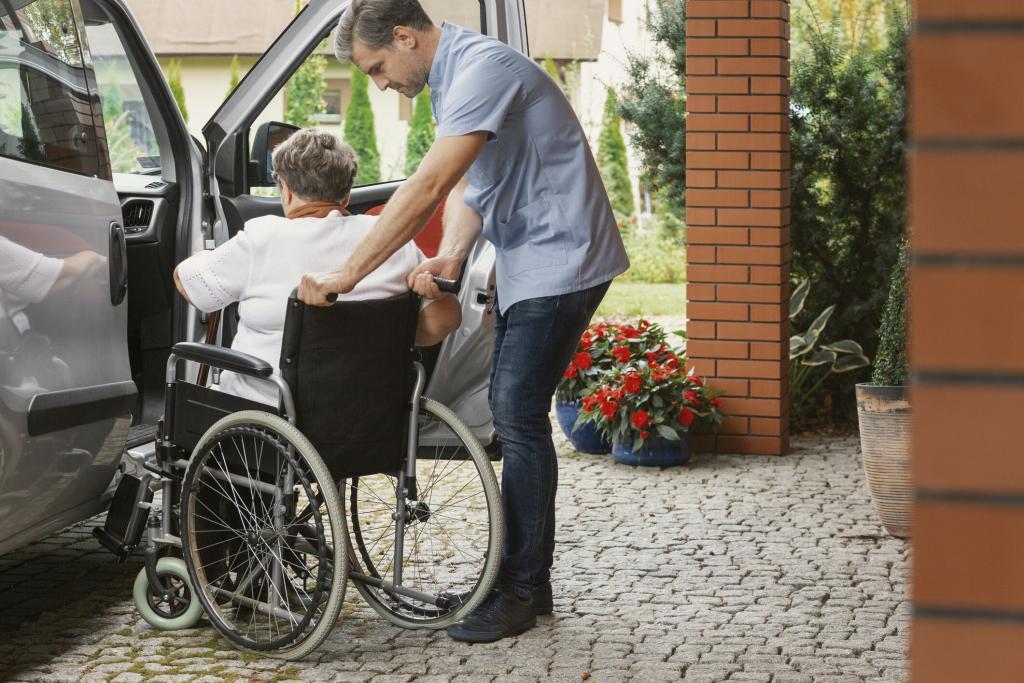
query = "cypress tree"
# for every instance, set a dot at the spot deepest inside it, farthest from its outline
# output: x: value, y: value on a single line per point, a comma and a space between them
x: 360, y: 131
x: 421, y: 132
x: 304, y: 97
x: 891, y: 360
x: 611, y: 159
x: 174, y: 81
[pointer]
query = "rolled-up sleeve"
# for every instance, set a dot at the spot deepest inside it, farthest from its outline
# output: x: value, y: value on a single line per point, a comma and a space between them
x: 478, y: 100
x: 214, y: 279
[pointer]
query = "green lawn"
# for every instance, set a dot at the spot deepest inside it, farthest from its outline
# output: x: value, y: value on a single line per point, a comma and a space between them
x: 637, y: 298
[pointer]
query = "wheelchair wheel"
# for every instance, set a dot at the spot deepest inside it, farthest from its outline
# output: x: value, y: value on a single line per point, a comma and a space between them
x: 451, y: 545
x: 168, y: 613
x: 264, y: 535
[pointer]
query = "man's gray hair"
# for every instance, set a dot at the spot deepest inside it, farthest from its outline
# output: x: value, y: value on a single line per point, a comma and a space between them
x: 373, y: 23
x: 316, y: 165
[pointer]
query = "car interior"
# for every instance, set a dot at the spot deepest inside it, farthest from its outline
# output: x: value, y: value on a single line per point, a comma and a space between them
x: 155, y: 200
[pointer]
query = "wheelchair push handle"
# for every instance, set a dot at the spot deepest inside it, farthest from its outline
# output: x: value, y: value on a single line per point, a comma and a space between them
x: 443, y: 283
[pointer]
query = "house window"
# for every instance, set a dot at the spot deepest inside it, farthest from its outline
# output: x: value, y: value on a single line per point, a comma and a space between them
x: 337, y: 93
x: 615, y: 11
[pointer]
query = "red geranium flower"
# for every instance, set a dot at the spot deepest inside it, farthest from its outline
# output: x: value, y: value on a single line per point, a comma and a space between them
x: 570, y: 371
x: 690, y: 396
x: 633, y: 383
x: 589, y: 401
x: 629, y: 332
x: 685, y: 417
x: 621, y: 354
x: 639, y: 419
x: 582, y: 360
x: 716, y: 402
x: 644, y: 435
x: 696, y: 380
x: 609, y: 409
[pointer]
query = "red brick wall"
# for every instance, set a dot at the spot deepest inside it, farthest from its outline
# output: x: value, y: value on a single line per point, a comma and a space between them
x: 737, y: 215
x: 967, y: 340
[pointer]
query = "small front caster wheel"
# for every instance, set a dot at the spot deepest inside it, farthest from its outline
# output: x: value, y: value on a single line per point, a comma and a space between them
x: 180, y: 610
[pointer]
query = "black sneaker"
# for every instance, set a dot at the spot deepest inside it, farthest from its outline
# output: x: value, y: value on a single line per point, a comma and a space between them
x: 501, y: 615
x: 541, y: 599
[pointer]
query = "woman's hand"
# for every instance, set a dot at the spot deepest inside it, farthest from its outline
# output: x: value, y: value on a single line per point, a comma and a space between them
x: 421, y: 279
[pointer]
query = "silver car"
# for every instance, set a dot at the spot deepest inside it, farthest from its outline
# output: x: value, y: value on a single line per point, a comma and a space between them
x: 93, y: 220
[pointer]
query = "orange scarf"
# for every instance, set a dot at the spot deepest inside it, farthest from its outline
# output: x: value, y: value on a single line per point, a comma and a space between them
x: 317, y: 210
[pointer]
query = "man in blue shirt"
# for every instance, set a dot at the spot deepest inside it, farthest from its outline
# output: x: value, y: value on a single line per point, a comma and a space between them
x: 514, y: 162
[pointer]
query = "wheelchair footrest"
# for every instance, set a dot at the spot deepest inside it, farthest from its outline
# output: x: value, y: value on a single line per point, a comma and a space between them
x: 126, y: 518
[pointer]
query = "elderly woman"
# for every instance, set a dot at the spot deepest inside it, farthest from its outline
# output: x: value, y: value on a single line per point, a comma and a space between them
x: 261, y: 265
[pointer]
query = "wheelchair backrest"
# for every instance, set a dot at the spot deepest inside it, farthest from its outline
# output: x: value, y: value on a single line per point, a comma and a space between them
x: 350, y: 369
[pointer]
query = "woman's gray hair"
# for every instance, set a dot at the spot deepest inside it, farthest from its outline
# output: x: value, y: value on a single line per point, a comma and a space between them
x: 373, y: 22
x: 316, y: 165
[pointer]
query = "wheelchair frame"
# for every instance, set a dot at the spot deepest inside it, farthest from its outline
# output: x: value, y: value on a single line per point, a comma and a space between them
x: 162, y: 468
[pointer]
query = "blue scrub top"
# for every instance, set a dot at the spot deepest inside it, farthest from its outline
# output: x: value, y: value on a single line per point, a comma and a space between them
x: 536, y: 184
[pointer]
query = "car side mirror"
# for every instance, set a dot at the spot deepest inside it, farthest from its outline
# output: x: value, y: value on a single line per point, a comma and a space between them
x: 268, y: 136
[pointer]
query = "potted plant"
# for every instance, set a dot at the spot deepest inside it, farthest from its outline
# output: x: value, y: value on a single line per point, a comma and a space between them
x: 591, y: 362
x: 648, y: 406
x: 883, y: 412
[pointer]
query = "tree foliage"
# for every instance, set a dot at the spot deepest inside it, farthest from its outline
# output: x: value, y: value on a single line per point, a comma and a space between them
x: 612, y: 160
x: 421, y: 132
x: 654, y: 102
x: 848, y: 122
x: 360, y: 131
x: 304, y: 96
x: 173, y: 74
x: 891, y: 361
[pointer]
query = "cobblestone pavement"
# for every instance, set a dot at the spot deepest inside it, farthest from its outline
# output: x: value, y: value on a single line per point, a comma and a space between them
x: 735, y: 568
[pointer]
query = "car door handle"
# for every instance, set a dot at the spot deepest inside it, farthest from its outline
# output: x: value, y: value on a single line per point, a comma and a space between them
x: 117, y: 262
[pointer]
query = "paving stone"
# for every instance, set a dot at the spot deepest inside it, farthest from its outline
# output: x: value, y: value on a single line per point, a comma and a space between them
x: 733, y: 568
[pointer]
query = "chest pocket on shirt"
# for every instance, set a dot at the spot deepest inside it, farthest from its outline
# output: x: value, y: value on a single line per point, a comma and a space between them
x: 489, y: 167
x: 532, y: 237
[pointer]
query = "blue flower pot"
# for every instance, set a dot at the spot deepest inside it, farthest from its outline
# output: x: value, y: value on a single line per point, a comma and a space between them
x: 586, y: 438
x: 656, y: 452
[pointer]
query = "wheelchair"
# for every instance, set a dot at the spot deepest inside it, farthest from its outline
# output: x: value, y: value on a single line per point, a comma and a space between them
x: 251, y: 528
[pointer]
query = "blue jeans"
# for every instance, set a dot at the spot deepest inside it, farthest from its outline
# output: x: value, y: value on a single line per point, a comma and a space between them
x: 533, y: 343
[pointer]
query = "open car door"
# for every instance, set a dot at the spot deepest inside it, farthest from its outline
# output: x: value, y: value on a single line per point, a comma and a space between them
x: 459, y: 367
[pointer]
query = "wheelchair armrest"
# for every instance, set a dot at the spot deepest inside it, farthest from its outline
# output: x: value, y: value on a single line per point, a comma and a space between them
x: 224, y: 358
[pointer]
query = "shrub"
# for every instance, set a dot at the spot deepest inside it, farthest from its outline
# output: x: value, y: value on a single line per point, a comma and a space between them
x: 174, y: 82
x: 360, y: 131
x: 421, y: 132
x: 612, y: 161
x: 654, y: 256
x: 848, y: 121
x: 891, y: 360
x: 653, y: 101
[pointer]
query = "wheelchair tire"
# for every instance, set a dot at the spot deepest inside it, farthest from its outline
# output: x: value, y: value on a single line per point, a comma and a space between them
x: 268, y: 558
x: 430, y: 564
x: 183, y: 613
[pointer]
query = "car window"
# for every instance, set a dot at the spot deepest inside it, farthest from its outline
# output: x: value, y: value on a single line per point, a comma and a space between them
x: 129, y: 129
x: 388, y: 137
x: 46, y: 115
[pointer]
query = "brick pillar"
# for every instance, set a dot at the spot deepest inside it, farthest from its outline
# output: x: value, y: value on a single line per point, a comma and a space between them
x: 737, y: 215
x: 967, y: 353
